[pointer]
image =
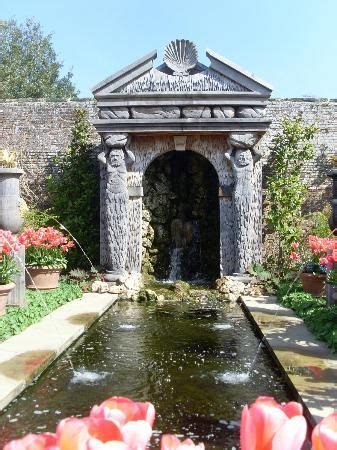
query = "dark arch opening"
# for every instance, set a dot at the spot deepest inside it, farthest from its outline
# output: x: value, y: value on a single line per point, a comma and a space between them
x: 181, y: 218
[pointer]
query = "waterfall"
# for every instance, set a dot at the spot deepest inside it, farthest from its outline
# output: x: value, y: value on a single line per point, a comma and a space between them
x: 175, y: 264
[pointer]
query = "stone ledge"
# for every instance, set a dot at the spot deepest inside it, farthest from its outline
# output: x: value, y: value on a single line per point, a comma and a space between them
x: 26, y: 355
x: 308, y: 363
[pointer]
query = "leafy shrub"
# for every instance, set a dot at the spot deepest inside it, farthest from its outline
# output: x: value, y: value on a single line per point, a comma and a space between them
x: 320, y: 318
x: 40, y: 303
x: 74, y: 192
x: 36, y: 218
x: 285, y: 189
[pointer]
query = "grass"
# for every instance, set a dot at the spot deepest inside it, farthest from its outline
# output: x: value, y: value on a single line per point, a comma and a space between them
x: 320, y: 318
x: 39, y: 304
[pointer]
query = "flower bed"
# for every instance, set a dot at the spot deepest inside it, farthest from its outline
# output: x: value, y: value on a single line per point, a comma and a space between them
x: 320, y: 318
x: 39, y: 305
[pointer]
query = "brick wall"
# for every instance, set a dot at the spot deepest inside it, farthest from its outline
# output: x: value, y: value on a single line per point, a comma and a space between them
x: 40, y: 130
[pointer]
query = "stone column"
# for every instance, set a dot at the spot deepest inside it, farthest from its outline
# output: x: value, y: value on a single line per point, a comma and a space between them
x: 247, y: 193
x: 134, y: 254
x: 114, y: 203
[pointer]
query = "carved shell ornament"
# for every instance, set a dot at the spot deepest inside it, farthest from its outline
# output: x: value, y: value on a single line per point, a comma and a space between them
x: 181, y: 56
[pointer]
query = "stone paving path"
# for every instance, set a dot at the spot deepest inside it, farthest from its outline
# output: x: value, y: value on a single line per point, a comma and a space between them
x: 25, y: 356
x: 308, y: 362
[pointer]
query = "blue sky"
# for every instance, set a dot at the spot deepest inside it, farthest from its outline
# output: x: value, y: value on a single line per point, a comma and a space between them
x: 292, y: 44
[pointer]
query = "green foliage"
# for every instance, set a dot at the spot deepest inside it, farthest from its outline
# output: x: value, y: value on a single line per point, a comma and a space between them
x: 320, y: 318
x: 52, y: 258
x: 40, y: 303
x: 28, y: 64
x: 36, y: 218
x: 285, y: 188
x: 74, y: 192
x: 319, y: 224
x: 8, y: 269
x: 262, y: 275
x: 83, y: 278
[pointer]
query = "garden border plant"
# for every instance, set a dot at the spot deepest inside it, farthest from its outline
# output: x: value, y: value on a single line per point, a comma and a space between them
x: 290, y: 149
x: 17, y: 319
x: 319, y: 318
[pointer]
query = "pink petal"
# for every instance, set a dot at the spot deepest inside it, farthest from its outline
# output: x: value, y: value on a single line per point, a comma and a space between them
x: 324, y: 435
x: 94, y: 444
x: 137, y: 434
x: 169, y: 442
x: 33, y: 442
x: 267, y: 421
x: 291, y: 435
x: 293, y: 409
x: 247, y: 430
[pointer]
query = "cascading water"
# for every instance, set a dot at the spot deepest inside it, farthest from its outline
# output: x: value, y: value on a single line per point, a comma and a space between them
x: 175, y: 264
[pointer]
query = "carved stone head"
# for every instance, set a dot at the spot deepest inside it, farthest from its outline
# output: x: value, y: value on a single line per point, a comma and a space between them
x: 243, y: 157
x: 115, y: 157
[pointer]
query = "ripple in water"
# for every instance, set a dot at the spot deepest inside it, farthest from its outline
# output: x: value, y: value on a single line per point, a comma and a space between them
x: 233, y: 377
x: 127, y: 326
x: 86, y: 377
x: 222, y: 326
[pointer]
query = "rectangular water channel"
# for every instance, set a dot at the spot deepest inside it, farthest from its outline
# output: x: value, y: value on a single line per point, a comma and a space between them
x: 190, y: 359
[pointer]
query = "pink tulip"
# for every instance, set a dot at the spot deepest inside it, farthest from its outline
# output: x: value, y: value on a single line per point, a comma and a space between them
x: 74, y: 434
x: 123, y: 410
x: 45, y: 441
x: 267, y: 425
x: 171, y: 442
x: 324, y: 436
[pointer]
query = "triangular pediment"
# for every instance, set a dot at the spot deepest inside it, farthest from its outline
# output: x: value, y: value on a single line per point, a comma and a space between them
x: 221, y: 75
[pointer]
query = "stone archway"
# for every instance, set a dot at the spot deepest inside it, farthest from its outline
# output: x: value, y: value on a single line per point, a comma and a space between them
x: 146, y: 111
x: 181, y: 217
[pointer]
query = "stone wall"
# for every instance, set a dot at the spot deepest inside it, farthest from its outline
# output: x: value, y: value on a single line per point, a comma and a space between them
x: 41, y: 130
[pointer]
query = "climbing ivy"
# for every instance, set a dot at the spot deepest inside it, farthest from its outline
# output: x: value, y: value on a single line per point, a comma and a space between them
x: 74, y: 192
x: 290, y: 149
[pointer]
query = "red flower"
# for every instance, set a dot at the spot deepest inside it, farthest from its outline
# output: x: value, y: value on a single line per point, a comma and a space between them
x: 294, y: 256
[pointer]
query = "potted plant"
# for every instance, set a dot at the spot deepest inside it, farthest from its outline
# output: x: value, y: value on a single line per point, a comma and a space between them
x: 312, y: 271
x: 10, y: 218
x: 8, y: 268
x: 46, y: 250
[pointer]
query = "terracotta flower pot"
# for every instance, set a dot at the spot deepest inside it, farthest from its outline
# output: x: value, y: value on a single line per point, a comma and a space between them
x: 313, y: 283
x: 40, y: 277
x: 4, y: 291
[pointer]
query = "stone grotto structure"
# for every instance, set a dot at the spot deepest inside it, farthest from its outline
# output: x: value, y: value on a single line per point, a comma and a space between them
x: 163, y: 120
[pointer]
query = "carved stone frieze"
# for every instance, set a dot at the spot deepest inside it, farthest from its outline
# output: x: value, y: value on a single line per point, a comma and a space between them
x: 247, y: 112
x: 120, y: 112
x: 196, y: 112
x: 223, y: 112
x: 155, y: 112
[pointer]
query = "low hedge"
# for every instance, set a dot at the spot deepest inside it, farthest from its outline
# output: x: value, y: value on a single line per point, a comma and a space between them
x: 320, y: 318
x: 39, y: 304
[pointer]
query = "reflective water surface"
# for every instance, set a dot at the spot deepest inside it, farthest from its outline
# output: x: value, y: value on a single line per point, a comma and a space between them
x: 191, y: 360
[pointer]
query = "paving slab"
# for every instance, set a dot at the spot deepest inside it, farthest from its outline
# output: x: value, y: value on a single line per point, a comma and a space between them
x: 310, y: 365
x: 25, y: 356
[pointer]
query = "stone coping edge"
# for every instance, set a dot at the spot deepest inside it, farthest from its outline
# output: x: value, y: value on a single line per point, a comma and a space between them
x: 26, y: 356
x: 269, y: 347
